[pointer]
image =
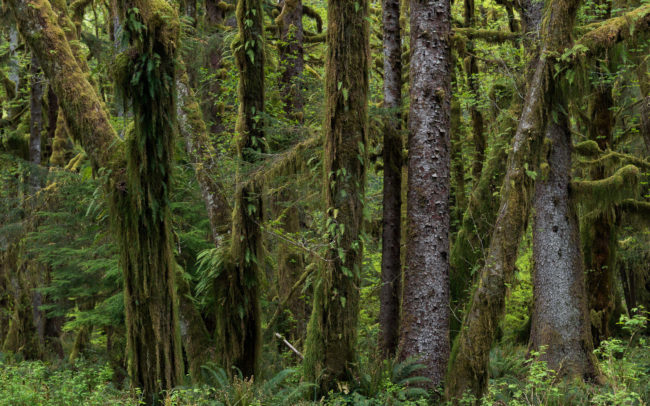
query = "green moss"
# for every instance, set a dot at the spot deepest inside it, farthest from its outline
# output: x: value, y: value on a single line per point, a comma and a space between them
x: 605, y: 192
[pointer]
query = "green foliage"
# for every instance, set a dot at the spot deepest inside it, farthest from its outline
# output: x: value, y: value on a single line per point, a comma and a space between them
x: 37, y: 384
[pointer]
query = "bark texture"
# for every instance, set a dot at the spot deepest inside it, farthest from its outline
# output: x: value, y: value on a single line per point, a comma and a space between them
x: 560, y: 319
x: 331, y: 335
x: 470, y: 357
x: 425, y: 309
x: 391, y: 267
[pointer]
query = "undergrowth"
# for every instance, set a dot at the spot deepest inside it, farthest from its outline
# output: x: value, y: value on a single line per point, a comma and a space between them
x: 516, y: 378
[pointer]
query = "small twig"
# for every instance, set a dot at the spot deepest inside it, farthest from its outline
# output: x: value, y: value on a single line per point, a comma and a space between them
x: 291, y: 347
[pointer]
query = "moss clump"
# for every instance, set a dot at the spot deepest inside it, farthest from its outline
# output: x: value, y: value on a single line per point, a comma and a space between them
x: 605, y: 192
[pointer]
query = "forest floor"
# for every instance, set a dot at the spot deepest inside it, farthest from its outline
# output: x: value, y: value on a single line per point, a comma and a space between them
x: 516, y: 378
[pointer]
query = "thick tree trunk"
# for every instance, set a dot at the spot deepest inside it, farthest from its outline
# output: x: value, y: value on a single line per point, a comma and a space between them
x: 142, y: 214
x: 425, y: 309
x: 331, y: 334
x: 470, y: 356
x: 391, y: 268
x: 84, y: 112
x: 560, y: 320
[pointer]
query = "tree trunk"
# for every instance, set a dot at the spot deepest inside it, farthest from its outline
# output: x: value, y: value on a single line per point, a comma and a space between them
x: 599, y: 232
x: 469, y: 248
x: 331, y: 334
x: 203, y: 156
x: 36, y: 121
x: 425, y: 308
x: 239, y: 319
x: 215, y: 13
x: 291, y: 55
x: 143, y: 213
x: 471, y: 71
x: 470, y: 356
x: 391, y: 269
x: 560, y: 319
x: 292, y: 62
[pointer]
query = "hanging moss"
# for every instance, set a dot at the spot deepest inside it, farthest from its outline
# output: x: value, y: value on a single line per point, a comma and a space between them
x: 141, y: 206
x: 606, y: 192
x: 630, y: 27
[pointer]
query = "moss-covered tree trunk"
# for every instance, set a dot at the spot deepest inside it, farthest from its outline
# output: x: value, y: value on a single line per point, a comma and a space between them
x: 291, y: 54
x: 215, y: 16
x: 239, y: 319
x: 560, y: 319
x: 469, y: 248
x: 391, y: 267
x: 330, y: 353
x: 425, y: 309
x: 292, y: 63
x: 203, y: 156
x: 142, y: 214
x: 36, y: 118
x: 599, y: 231
x: 138, y: 190
x: 468, y: 370
x: 471, y: 71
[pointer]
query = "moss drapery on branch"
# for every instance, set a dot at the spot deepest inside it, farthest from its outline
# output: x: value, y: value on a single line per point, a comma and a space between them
x: 628, y: 27
x: 331, y: 334
x: 614, y: 189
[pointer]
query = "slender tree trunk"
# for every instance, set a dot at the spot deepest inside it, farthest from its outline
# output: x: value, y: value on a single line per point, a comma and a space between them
x: 203, y: 156
x: 425, y: 309
x: 291, y: 54
x: 52, y: 116
x: 471, y: 70
x: 391, y: 268
x: 36, y: 122
x: 469, y: 249
x: 215, y: 14
x: 330, y: 354
x: 292, y: 62
x: 239, y: 318
x: 560, y: 319
x: 599, y: 232
x: 470, y: 356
